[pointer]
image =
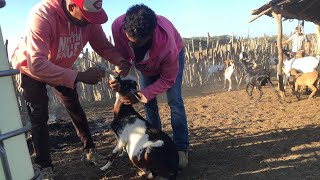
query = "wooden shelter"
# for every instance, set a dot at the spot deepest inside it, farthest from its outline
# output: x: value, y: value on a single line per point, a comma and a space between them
x: 281, y: 10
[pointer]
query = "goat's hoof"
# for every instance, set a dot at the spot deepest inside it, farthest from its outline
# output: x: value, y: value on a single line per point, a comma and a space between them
x: 150, y: 176
x: 141, y: 173
x: 106, y: 167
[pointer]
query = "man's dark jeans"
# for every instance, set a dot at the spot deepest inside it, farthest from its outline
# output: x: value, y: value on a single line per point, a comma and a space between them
x: 35, y: 94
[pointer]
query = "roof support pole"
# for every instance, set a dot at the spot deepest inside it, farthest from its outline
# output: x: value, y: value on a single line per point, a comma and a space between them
x: 318, y: 38
x: 278, y: 18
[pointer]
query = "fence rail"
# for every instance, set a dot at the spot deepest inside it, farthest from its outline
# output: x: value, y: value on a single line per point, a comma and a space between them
x: 199, y: 55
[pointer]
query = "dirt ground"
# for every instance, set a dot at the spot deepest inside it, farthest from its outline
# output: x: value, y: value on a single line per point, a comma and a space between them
x: 231, y: 137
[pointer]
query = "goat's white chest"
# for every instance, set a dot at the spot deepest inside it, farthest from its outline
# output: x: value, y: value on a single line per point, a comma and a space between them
x: 134, y: 135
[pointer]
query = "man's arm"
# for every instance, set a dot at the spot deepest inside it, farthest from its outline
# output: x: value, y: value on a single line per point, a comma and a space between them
x: 103, y: 47
x: 38, y: 47
x: 168, y: 74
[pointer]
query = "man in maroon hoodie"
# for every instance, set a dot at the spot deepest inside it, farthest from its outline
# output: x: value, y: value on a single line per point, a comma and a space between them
x: 57, y: 32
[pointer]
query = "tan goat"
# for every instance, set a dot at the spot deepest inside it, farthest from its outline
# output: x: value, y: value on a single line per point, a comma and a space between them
x: 304, y: 79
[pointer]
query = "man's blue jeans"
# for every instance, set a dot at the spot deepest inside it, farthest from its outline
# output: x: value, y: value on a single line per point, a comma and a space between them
x: 175, y: 101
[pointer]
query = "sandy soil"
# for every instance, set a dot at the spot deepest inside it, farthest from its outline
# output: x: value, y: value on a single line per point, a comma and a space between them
x: 231, y: 137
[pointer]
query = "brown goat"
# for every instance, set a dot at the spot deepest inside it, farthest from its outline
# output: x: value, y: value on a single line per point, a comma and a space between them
x: 304, y: 79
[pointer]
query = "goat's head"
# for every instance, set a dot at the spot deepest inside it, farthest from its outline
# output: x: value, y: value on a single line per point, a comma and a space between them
x: 128, y: 84
x: 247, y: 62
x: 273, y: 61
x: 128, y: 89
x: 287, y: 54
x: 287, y: 64
x: 294, y: 72
x: 243, y: 56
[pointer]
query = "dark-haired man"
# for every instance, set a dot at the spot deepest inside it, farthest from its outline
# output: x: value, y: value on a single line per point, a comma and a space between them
x: 156, y: 49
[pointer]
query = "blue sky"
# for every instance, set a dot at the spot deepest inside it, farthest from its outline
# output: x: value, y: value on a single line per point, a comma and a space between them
x: 191, y: 17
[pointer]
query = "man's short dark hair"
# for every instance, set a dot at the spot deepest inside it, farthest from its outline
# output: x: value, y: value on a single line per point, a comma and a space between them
x: 140, y: 21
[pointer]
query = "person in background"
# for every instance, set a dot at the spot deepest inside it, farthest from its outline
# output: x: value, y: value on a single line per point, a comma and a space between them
x: 156, y: 49
x: 2, y: 3
x: 297, y: 39
x: 57, y: 32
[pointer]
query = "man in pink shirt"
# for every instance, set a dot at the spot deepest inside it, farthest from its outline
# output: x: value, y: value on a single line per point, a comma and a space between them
x: 57, y: 32
x: 156, y: 49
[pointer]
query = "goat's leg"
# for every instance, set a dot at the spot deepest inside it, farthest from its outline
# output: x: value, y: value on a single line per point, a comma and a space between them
x: 240, y: 80
x: 207, y: 78
x: 230, y: 84
x: 273, y: 88
x: 236, y: 77
x: 260, y: 91
x: 113, y: 155
x: 247, y: 86
x: 314, y: 90
x: 123, y: 152
x: 292, y: 86
x: 251, y: 90
x: 224, y: 83
x: 286, y: 81
x: 296, y: 91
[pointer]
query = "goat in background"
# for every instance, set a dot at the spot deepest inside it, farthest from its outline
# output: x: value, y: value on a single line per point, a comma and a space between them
x: 214, y: 70
x: 256, y: 78
x: 309, y: 79
x: 303, y: 65
x: 229, y: 71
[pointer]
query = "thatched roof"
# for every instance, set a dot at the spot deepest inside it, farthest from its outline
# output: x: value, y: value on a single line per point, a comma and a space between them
x: 291, y: 9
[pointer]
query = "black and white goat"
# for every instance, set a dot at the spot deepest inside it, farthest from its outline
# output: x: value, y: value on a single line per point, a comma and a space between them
x: 149, y: 149
x: 256, y: 78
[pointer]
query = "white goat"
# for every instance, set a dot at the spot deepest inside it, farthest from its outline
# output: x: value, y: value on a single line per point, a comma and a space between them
x: 228, y: 74
x: 303, y: 65
x: 214, y: 70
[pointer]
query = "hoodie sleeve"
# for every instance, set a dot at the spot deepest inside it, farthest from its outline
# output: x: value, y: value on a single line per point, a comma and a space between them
x: 168, y: 73
x: 103, y: 47
x: 38, y: 44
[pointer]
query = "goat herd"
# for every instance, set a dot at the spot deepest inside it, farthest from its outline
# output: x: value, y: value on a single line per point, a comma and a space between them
x: 303, y: 71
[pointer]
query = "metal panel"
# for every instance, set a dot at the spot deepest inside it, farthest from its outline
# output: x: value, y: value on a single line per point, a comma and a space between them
x: 16, y: 149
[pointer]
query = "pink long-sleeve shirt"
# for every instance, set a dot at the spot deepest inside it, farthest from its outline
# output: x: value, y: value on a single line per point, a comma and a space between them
x: 161, y: 59
x: 53, y: 43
